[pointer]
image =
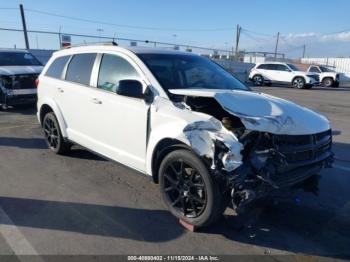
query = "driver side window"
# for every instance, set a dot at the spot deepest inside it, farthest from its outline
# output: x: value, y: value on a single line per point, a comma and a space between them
x: 197, y: 77
x: 113, y: 69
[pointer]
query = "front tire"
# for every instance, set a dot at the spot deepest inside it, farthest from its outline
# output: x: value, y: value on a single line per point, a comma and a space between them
x: 188, y: 190
x: 53, y: 135
x: 298, y: 82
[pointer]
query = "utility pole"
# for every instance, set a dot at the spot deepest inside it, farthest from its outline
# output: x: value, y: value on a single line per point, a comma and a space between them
x: 24, y: 27
x: 276, y: 49
x: 238, y: 35
x: 304, y: 50
x: 59, y: 37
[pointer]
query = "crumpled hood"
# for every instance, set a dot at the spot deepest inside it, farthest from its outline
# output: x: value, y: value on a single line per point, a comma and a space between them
x: 265, y: 113
x: 20, y: 70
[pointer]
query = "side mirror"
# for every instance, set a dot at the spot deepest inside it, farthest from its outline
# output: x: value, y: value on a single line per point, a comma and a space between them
x: 130, y: 88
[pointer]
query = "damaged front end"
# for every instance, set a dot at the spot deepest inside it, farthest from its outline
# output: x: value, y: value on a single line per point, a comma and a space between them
x: 277, y: 163
x: 254, y: 164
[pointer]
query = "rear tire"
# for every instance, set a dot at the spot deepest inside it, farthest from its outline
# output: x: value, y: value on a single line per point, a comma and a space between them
x: 53, y: 135
x: 258, y: 80
x: 298, y: 82
x: 327, y: 82
x: 188, y: 190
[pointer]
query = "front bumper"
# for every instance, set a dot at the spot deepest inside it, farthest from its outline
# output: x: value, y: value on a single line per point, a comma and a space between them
x: 293, y: 160
x: 14, y: 100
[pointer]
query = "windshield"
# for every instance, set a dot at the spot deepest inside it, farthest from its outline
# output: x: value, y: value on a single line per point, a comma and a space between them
x: 18, y: 59
x: 293, y: 67
x: 325, y: 69
x: 176, y: 71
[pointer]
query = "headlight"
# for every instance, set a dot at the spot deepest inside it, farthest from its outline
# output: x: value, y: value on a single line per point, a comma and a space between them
x: 230, y: 162
x: 6, y: 82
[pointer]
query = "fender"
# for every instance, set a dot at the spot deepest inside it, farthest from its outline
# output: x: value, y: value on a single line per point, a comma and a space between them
x: 171, y: 130
x: 57, y: 111
x: 301, y: 76
x: 196, y: 130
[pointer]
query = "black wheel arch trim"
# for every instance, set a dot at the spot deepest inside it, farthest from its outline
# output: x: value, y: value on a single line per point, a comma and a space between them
x: 163, y: 148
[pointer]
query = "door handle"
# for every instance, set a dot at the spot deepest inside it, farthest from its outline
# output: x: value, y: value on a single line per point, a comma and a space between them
x: 61, y: 90
x: 96, y: 101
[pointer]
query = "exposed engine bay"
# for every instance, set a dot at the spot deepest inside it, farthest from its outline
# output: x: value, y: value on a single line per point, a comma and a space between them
x: 270, y: 162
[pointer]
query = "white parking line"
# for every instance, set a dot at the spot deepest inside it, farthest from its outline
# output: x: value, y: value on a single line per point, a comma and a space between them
x: 14, y: 237
x: 341, y: 167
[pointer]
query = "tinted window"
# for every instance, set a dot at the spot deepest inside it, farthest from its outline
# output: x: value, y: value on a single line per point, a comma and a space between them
x: 80, y: 67
x: 267, y: 67
x: 112, y: 70
x: 281, y: 67
x: 56, y: 68
x: 293, y: 67
x: 177, y: 71
x: 263, y: 66
x: 18, y: 59
x: 325, y: 69
x: 314, y: 70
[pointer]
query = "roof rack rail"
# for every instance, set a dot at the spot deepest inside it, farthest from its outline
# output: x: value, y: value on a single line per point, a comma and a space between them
x: 113, y: 43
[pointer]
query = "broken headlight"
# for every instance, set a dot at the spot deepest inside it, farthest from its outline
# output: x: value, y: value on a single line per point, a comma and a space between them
x: 229, y: 161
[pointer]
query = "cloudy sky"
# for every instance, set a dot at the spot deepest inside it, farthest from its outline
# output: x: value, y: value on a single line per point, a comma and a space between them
x: 322, y: 25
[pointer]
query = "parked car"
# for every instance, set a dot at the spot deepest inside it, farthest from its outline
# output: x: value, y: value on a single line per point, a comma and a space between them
x: 328, y: 77
x: 19, y: 70
x: 282, y: 73
x: 207, y: 139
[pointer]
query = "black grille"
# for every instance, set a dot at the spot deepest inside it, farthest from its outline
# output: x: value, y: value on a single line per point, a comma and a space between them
x: 305, y: 155
x: 24, y: 81
x: 304, y: 147
x: 315, y: 77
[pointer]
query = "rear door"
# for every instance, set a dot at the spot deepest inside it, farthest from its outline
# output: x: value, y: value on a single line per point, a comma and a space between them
x: 282, y: 74
x: 73, y: 97
x: 269, y: 72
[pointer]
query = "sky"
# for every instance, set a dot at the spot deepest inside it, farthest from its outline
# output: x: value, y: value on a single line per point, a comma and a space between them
x: 323, y: 26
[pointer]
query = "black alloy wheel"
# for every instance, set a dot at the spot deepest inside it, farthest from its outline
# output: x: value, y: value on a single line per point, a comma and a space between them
x: 53, y: 136
x: 189, y: 190
x: 185, y: 189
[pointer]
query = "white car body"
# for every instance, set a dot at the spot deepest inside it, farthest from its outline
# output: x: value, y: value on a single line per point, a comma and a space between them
x: 283, y: 73
x: 325, y: 74
x: 131, y: 131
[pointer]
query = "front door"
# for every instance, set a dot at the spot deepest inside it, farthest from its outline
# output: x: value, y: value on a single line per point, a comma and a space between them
x: 120, y: 122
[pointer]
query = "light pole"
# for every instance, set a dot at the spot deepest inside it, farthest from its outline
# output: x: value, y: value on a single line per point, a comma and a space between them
x: 175, y: 45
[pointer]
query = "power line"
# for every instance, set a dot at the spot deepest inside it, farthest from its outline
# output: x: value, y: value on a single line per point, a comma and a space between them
x: 115, y: 38
x: 124, y: 25
x: 257, y: 33
x: 258, y: 39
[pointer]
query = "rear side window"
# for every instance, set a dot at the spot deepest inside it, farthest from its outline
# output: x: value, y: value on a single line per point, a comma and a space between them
x: 113, y: 69
x: 281, y: 67
x: 80, y: 68
x: 56, y: 68
x: 267, y: 67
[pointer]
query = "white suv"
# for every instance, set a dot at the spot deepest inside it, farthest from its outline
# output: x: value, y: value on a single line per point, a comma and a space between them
x: 282, y: 73
x: 185, y: 122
